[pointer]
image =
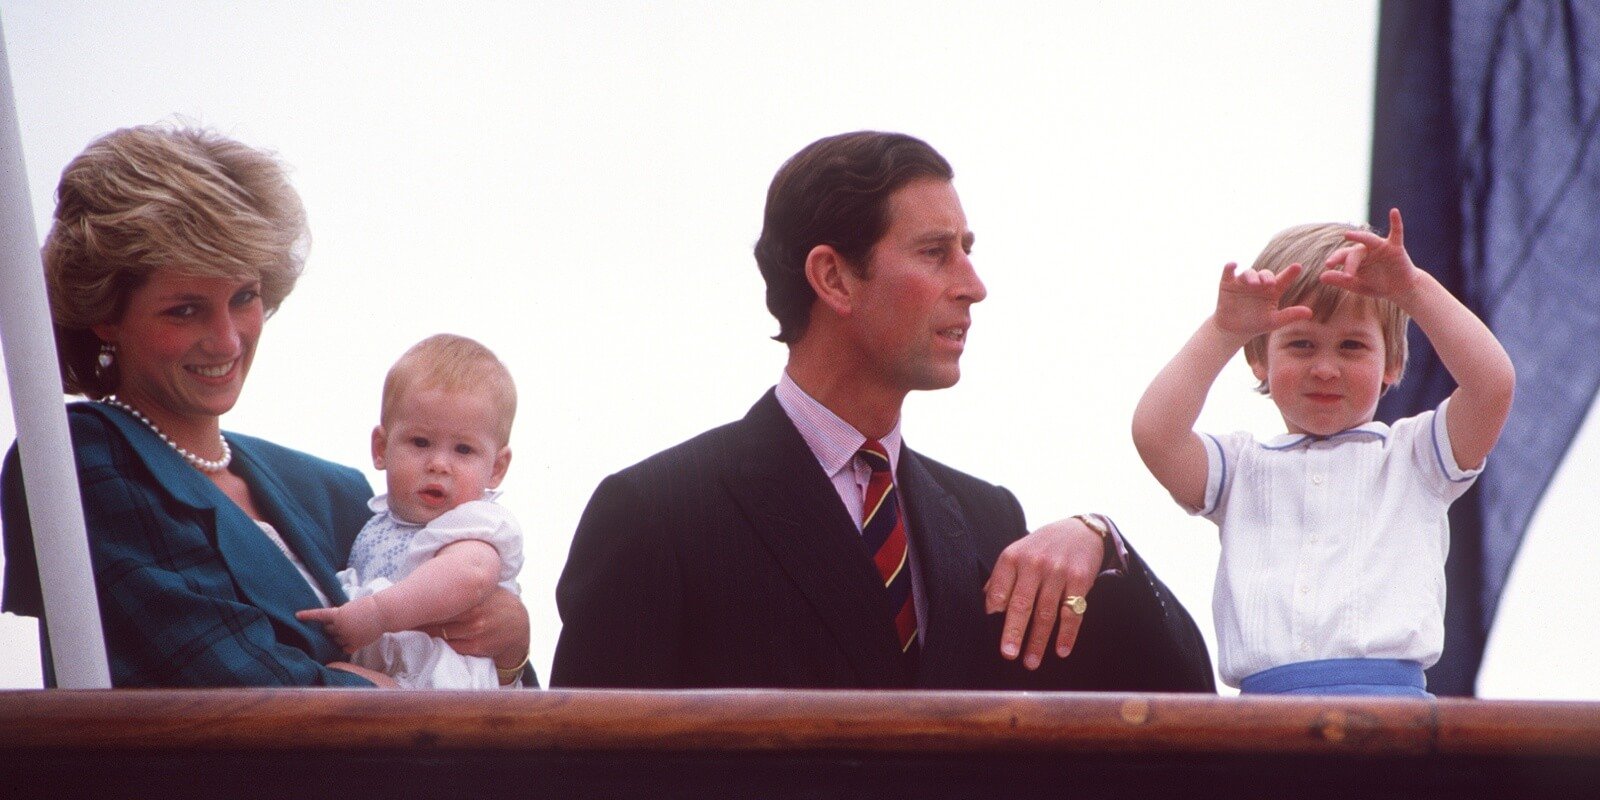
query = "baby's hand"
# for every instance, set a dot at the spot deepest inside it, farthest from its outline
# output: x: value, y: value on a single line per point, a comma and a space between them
x: 352, y: 626
x: 1372, y: 265
x: 1247, y: 302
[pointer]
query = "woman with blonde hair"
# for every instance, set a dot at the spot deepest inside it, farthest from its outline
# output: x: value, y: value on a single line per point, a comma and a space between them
x: 169, y: 249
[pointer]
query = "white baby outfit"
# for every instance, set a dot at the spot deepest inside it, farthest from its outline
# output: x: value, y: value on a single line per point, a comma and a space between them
x: 1332, y: 547
x: 388, y: 549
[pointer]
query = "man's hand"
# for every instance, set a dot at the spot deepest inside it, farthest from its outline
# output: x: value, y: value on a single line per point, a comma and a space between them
x: 496, y: 628
x: 1031, y: 580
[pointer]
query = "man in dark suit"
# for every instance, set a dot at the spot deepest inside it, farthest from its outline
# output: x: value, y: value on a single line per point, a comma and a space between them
x: 804, y: 545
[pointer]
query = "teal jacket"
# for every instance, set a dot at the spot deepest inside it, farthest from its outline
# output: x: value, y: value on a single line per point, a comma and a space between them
x: 192, y: 593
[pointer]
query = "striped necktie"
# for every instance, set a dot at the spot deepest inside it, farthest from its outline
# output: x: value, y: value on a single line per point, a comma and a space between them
x: 884, y: 534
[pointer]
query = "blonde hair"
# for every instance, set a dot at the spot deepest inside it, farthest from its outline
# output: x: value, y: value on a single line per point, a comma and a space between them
x: 454, y: 364
x: 153, y: 197
x: 1311, y: 245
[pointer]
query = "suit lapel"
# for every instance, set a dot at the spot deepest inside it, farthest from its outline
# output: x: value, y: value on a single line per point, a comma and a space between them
x: 952, y: 575
x: 798, y: 516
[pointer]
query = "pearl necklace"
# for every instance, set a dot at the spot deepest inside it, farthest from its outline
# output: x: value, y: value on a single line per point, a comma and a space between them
x: 202, y: 464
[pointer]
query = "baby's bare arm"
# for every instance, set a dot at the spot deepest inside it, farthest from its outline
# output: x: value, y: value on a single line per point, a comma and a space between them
x: 461, y: 575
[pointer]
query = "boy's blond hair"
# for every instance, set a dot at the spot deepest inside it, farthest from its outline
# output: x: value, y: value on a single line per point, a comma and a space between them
x: 454, y: 364
x: 1311, y: 245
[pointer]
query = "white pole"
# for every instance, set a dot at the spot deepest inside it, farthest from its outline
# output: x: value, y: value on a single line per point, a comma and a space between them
x: 59, y: 539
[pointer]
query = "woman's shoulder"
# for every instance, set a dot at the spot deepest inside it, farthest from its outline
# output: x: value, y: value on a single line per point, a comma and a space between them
x: 97, y: 440
x: 295, y: 466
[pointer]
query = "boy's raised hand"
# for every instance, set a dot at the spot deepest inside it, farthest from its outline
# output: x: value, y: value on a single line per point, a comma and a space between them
x: 1247, y: 302
x: 1372, y: 265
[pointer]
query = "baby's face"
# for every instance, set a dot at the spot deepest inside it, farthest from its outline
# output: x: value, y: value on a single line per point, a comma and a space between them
x: 1327, y: 376
x: 440, y: 450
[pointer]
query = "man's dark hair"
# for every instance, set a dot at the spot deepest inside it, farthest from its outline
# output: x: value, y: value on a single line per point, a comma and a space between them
x: 833, y: 192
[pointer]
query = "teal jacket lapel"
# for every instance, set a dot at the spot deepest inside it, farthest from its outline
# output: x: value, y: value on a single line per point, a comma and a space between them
x: 265, y: 576
x: 289, y: 517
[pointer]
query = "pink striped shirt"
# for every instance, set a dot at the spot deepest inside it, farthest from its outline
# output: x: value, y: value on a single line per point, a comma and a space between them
x: 835, y: 442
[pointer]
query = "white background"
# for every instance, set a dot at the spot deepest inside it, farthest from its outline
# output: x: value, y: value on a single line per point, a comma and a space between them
x: 578, y: 185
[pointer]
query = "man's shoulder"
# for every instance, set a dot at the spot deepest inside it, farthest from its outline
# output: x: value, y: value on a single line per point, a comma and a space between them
x: 763, y: 428
x: 705, y: 451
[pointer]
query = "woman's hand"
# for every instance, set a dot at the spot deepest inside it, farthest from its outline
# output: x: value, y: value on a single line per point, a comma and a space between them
x: 496, y: 628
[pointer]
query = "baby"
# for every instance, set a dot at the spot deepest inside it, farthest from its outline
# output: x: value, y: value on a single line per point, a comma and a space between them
x: 1334, y: 535
x: 437, y: 544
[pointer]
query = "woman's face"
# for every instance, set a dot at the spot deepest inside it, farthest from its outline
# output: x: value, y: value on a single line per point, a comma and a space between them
x: 184, y: 345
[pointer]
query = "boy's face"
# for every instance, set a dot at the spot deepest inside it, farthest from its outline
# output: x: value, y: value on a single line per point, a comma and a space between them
x: 440, y: 450
x: 1326, y: 376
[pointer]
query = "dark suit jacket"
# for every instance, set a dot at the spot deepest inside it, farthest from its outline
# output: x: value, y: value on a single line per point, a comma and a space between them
x: 729, y: 561
x: 191, y: 592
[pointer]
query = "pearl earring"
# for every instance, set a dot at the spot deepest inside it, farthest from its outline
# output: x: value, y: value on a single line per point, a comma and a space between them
x: 108, y: 355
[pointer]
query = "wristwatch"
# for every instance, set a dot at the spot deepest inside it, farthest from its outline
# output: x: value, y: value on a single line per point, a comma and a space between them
x: 1096, y: 523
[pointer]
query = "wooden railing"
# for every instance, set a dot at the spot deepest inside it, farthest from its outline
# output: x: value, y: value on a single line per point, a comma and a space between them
x: 351, y: 744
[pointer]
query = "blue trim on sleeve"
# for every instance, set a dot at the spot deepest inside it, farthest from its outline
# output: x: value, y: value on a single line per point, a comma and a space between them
x: 1438, y: 452
x: 1208, y: 503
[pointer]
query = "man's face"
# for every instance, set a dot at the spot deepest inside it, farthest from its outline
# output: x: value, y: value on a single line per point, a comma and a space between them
x: 909, y: 316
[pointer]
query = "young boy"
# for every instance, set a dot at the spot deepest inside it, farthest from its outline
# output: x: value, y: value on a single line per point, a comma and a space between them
x: 1331, y: 579
x: 437, y: 544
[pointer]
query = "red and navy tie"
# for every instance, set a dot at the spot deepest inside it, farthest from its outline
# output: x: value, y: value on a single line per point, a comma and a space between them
x: 884, y: 535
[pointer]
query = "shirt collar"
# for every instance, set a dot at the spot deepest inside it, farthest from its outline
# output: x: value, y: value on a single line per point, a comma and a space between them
x: 1371, y: 430
x: 832, y: 440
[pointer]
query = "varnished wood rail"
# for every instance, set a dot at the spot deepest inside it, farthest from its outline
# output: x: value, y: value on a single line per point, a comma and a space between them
x: 345, y: 743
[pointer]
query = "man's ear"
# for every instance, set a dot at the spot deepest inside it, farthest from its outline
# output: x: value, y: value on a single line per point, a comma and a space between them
x: 830, y: 277
x: 502, y: 462
x: 379, y: 439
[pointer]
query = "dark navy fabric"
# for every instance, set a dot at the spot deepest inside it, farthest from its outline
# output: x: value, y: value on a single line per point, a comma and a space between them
x: 191, y: 592
x: 1487, y: 137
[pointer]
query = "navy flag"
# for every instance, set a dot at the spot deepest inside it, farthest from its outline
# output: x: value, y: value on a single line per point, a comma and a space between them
x: 1487, y: 137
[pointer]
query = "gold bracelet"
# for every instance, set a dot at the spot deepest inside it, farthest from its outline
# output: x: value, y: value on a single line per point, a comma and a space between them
x: 507, y: 676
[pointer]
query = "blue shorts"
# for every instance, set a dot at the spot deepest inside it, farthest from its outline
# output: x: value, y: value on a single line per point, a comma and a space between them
x: 1350, y: 676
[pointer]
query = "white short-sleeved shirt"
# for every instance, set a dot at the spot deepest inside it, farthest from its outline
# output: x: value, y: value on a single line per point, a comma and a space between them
x: 388, y: 549
x: 1332, y: 547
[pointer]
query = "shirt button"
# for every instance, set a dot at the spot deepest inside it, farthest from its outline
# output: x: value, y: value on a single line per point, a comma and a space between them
x: 1316, y: 479
x: 1305, y: 590
x: 1314, y: 540
x: 1305, y: 648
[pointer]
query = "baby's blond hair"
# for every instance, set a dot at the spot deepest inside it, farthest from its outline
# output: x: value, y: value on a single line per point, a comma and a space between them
x: 455, y: 364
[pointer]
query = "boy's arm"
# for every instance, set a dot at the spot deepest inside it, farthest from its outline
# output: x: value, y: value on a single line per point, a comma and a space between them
x: 1485, y: 378
x: 461, y: 575
x: 1163, y: 422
